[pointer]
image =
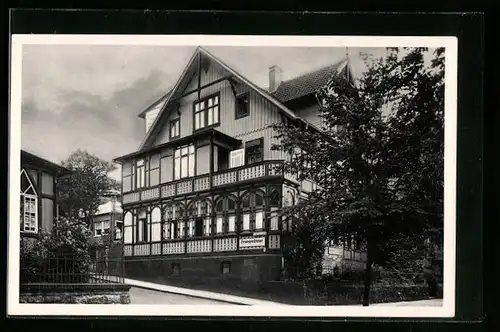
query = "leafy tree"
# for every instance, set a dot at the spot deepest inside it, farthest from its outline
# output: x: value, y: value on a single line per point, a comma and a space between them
x: 82, y: 191
x: 378, y: 160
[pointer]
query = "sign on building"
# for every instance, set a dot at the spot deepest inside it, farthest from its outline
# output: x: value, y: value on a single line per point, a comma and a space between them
x: 254, y: 242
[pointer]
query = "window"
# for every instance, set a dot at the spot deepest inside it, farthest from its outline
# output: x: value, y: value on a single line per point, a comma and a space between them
x: 141, y: 174
x: 176, y: 268
x: 29, y: 205
x: 199, y: 218
x: 101, y: 228
x: 225, y: 267
x: 154, y: 170
x: 206, y: 112
x: 175, y: 128
x: 118, y: 229
x: 156, y: 224
x: 252, y: 210
x: 128, y: 226
x: 254, y: 151
x: 142, y: 227
x: 236, y: 158
x: 225, y: 209
x: 173, y: 226
x: 184, y: 160
x: 241, y: 109
x: 288, y: 200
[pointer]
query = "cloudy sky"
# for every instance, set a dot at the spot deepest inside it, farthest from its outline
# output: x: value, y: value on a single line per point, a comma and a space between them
x: 89, y: 96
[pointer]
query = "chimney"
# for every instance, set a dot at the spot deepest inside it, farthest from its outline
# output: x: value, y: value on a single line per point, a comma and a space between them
x: 275, y: 76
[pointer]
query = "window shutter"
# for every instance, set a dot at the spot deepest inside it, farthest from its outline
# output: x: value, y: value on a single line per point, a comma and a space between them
x: 236, y: 158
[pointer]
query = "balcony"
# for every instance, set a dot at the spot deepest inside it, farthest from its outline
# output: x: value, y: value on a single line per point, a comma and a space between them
x: 204, y: 182
x: 204, y: 245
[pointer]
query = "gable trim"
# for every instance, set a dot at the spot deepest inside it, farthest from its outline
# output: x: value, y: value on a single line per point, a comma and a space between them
x: 199, y: 51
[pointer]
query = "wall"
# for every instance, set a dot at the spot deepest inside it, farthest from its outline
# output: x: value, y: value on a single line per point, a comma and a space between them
x: 118, y: 294
x: 245, y: 270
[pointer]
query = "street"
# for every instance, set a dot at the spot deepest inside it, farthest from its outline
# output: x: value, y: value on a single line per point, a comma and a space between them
x: 146, y: 296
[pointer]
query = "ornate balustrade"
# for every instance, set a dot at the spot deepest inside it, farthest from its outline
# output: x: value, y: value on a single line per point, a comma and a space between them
x: 202, y: 182
x: 198, y: 245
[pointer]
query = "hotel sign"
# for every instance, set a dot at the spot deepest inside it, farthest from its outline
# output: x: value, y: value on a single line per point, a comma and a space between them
x: 254, y: 242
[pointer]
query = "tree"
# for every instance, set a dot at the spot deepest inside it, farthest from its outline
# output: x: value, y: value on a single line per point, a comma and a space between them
x: 378, y: 160
x: 66, y: 247
x: 82, y: 191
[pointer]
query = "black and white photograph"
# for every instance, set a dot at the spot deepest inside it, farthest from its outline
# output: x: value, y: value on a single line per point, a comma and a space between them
x: 232, y: 175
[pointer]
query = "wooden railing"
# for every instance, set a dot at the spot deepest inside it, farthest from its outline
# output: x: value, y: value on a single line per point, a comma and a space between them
x: 202, y: 182
x: 197, y: 245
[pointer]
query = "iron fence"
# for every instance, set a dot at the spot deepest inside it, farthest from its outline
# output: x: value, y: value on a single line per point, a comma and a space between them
x: 73, y: 270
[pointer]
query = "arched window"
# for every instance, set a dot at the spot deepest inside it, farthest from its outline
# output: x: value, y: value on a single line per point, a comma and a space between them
x: 173, y: 226
x: 199, y: 218
x: 156, y: 224
x: 225, y: 209
x: 127, y: 228
x: 253, y: 211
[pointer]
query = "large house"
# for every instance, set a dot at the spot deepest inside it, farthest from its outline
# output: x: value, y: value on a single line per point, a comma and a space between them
x: 108, y: 220
x: 201, y: 194
x: 39, y: 205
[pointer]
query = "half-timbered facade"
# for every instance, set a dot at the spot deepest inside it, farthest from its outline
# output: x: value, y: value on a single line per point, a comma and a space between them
x: 202, y: 193
x: 38, y: 196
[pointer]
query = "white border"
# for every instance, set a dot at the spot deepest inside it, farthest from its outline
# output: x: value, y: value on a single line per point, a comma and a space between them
x: 448, y: 308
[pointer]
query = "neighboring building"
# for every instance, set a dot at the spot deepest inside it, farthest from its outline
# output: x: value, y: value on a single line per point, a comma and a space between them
x: 109, y: 218
x: 39, y: 205
x: 201, y: 194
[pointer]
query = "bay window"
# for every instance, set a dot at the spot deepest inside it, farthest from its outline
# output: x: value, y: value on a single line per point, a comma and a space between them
x: 206, y: 112
x: 184, y: 162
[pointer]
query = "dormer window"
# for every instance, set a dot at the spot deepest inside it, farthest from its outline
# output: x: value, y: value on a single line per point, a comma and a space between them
x: 206, y: 112
x: 175, y: 128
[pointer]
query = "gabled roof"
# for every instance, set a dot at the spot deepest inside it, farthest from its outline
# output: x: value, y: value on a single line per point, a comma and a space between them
x: 189, y: 69
x: 30, y: 158
x: 159, y: 101
x: 308, y: 83
x: 287, y: 91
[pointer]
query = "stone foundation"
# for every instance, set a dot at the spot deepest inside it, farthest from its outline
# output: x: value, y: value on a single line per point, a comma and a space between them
x: 75, y: 294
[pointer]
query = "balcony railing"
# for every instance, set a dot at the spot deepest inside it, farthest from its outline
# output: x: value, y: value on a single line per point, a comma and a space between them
x: 206, y: 244
x: 205, y: 181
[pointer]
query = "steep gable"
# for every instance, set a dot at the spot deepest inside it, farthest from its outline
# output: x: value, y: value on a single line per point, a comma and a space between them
x: 200, y: 60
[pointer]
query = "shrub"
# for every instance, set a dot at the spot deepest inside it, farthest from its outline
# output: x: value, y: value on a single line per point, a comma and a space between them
x: 58, y: 256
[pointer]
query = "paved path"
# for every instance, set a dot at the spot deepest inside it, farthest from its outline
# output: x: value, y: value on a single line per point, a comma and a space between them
x: 146, y: 296
x: 225, y: 298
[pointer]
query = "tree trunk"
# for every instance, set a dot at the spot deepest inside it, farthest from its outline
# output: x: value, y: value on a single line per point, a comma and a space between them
x: 368, y: 277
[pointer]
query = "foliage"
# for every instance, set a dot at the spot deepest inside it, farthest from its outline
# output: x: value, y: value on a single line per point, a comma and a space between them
x: 304, y: 254
x: 69, y: 241
x: 85, y: 187
x: 378, y: 160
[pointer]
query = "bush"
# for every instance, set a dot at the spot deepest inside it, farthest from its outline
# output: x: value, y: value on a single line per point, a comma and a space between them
x: 58, y: 256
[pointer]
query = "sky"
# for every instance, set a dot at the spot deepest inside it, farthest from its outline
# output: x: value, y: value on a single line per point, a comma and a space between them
x: 89, y: 96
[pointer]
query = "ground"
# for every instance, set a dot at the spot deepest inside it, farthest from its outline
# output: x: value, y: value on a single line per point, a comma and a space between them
x: 146, y: 296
